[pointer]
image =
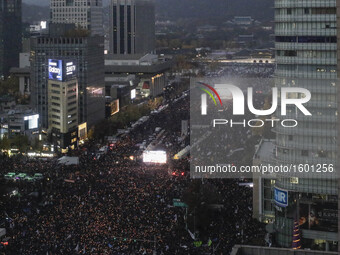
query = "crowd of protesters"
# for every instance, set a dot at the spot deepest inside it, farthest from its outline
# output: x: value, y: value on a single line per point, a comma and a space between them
x: 119, y: 205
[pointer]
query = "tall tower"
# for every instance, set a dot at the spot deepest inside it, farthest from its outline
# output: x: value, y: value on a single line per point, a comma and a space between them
x: 88, y: 55
x: 10, y: 35
x: 85, y: 14
x: 306, y: 56
x: 63, y: 103
x: 132, y: 26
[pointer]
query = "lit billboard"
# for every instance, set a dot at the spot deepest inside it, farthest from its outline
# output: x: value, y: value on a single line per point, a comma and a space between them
x: 31, y: 122
x: 82, y: 131
x: 43, y: 24
x: 158, y: 157
x: 133, y: 93
x: 281, y: 197
x: 60, y: 70
x: 55, y: 69
x: 114, y: 107
x: 70, y: 69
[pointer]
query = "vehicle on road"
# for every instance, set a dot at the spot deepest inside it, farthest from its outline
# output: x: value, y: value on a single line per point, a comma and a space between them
x: 9, y: 176
x: 38, y: 176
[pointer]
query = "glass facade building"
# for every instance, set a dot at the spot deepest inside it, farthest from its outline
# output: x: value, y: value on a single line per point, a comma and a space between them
x: 132, y: 27
x: 88, y: 56
x: 306, y: 56
x: 10, y: 35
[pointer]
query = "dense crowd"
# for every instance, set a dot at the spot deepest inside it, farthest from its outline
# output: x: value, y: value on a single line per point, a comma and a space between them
x: 115, y: 205
x: 250, y: 70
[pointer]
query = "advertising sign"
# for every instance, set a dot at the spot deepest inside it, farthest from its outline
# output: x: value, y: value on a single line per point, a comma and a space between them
x: 178, y: 203
x: 82, y: 131
x: 133, y: 93
x: 31, y: 122
x: 55, y: 69
x: 70, y: 69
x: 60, y: 70
x: 155, y: 157
x: 281, y: 197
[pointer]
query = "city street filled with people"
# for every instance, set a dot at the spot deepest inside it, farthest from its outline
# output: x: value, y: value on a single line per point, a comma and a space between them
x: 116, y: 204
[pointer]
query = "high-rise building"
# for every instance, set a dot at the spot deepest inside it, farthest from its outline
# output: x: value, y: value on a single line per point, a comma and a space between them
x: 85, y: 14
x: 10, y: 35
x: 306, y: 56
x: 63, y: 103
x: 87, y: 52
x: 132, y: 26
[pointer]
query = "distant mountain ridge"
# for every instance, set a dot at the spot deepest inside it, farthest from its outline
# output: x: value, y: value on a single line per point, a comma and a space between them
x: 217, y: 9
x: 261, y: 10
x: 32, y: 13
x: 37, y: 2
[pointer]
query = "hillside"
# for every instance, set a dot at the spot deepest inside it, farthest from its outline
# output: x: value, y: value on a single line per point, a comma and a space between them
x: 31, y: 13
x: 216, y: 9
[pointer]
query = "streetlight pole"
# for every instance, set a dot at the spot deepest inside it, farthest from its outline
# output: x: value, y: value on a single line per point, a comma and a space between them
x: 186, y: 218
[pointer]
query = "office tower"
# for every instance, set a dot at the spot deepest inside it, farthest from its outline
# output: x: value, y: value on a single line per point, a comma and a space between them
x: 63, y: 103
x: 306, y: 56
x: 132, y: 26
x: 85, y: 14
x: 10, y: 35
x: 87, y: 52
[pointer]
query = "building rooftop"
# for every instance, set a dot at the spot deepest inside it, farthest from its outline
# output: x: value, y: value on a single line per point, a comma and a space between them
x: 6, y: 98
x: 20, y: 71
x: 149, y: 63
x: 243, y: 18
x: 265, y: 150
x: 21, y: 109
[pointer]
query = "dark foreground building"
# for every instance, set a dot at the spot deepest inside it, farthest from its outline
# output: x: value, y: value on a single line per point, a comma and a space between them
x: 10, y: 35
